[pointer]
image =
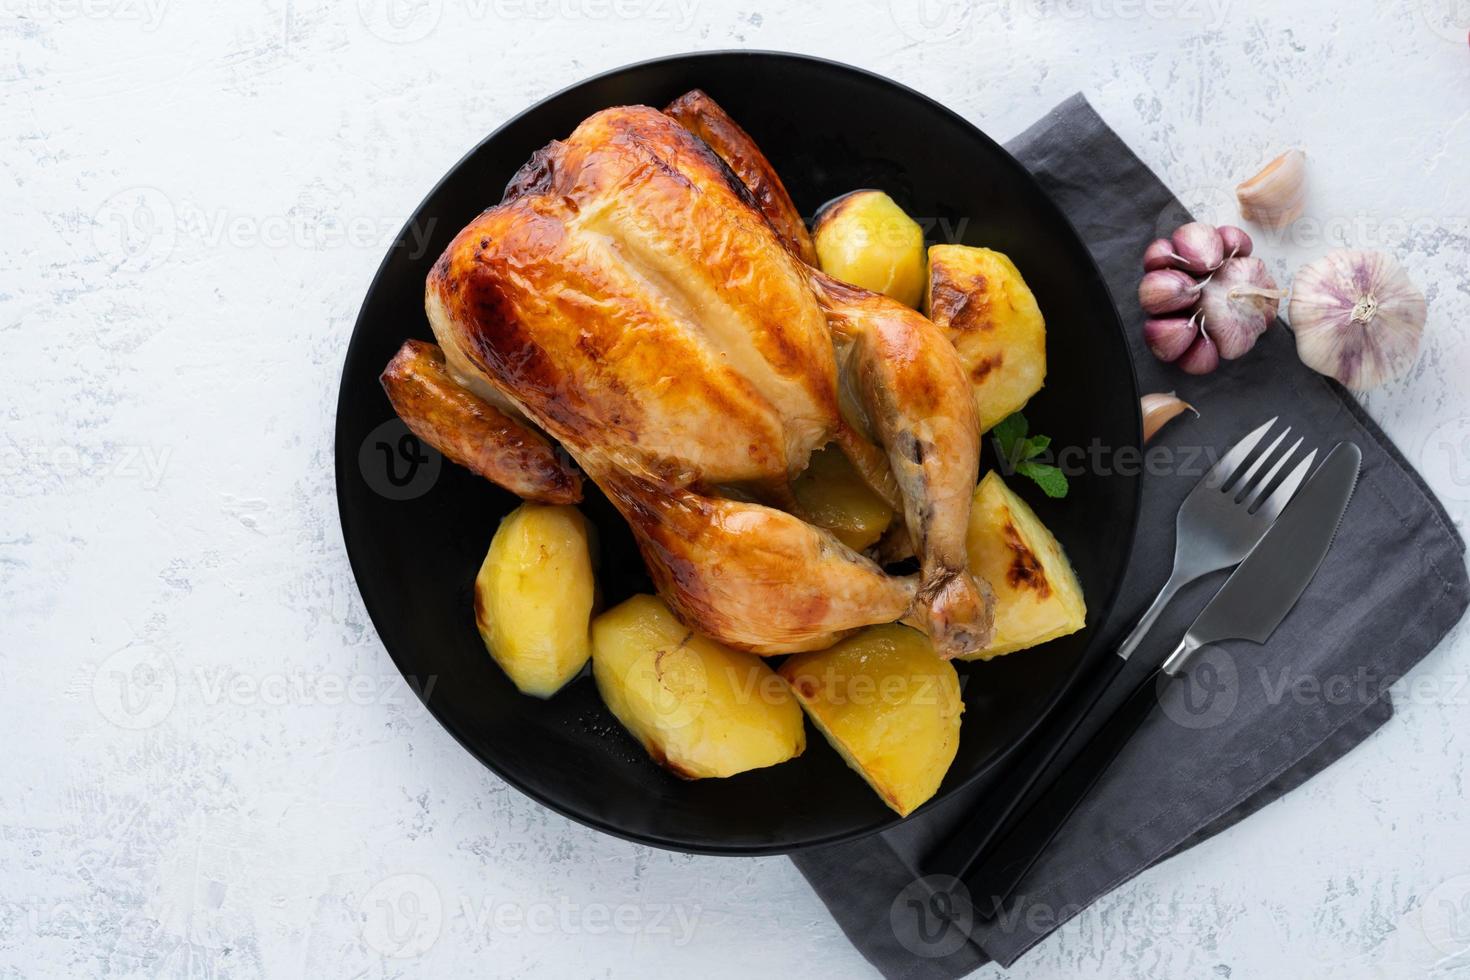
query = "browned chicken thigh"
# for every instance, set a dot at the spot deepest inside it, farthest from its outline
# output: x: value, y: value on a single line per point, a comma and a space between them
x: 652, y: 313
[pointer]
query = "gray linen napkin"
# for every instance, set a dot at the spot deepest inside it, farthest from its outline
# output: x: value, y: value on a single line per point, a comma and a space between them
x: 1254, y: 722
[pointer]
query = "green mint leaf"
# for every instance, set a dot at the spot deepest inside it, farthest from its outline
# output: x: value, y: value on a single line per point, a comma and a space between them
x: 1010, y: 438
x: 1052, y: 481
x: 1010, y: 430
x: 1035, y: 446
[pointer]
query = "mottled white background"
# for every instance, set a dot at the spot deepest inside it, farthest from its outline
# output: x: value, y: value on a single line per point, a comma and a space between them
x: 210, y: 766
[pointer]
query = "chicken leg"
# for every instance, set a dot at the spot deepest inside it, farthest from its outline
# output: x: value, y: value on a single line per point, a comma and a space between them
x: 751, y: 576
x: 917, y: 402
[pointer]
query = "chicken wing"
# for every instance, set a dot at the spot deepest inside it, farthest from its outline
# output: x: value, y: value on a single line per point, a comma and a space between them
x: 703, y: 117
x: 472, y: 432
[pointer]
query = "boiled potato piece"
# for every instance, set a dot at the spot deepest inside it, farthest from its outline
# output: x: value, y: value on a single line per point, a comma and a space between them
x: 534, y: 597
x: 834, y: 496
x: 978, y: 298
x: 888, y: 705
x: 1037, y: 596
x: 699, y: 708
x: 866, y: 239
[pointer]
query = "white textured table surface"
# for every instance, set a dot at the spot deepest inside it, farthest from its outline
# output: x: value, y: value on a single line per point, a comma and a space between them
x: 211, y: 767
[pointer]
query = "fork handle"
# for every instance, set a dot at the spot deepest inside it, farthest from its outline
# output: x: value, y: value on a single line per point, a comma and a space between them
x: 1018, y: 850
x: 1177, y: 581
x: 968, y: 843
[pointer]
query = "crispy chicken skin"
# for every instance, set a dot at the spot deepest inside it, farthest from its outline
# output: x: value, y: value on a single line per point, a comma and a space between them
x: 703, y: 117
x: 628, y: 298
x: 472, y: 432
x: 632, y: 298
x: 751, y: 576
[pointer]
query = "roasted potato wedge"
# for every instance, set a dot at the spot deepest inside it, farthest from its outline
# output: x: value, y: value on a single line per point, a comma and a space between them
x: 534, y: 596
x: 700, y: 709
x: 834, y: 496
x: 888, y: 705
x: 865, y: 238
x: 978, y: 298
x: 1037, y: 596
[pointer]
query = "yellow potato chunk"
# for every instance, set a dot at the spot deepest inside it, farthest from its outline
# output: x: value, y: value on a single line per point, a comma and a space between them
x: 699, y: 708
x: 978, y: 298
x: 1037, y: 596
x: 866, y: 239
x: 534, y: 597
x: 834, y: 496
x: 888, y: 705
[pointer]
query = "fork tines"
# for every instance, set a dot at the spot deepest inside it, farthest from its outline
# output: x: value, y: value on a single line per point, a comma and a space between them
x: 1223, y: 475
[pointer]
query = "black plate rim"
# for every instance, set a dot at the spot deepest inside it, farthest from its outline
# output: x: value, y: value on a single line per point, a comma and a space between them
x: 341, y: 472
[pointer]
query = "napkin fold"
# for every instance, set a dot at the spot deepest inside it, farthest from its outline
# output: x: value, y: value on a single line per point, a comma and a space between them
x: 1253, y: 722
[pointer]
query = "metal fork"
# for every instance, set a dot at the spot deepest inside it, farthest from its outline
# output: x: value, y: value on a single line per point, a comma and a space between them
x: 1221, y: 520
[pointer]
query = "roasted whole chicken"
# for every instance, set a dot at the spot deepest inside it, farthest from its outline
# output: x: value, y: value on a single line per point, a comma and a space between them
x: 644, y: 295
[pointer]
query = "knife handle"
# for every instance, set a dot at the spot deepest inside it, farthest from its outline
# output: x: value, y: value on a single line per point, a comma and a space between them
x: 968, y: 843
x: 1032, y: 832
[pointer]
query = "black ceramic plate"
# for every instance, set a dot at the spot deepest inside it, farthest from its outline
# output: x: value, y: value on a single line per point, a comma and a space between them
x: 416, y: 531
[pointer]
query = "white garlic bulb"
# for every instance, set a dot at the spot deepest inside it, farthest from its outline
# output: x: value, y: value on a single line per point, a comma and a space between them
x: 1357, y: 317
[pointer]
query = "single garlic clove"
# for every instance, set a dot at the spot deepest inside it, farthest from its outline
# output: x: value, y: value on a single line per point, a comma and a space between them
x: 1169, y: 338
x: 1358, y: 317
x: 1198, y: 247
x: 1201, y: 358
x: 1276, y: 196
x: 1167, y: 290
x: 1237, y: 305
x: 1237, y: 242
x: 1159, y: 255
x: 1159, y: 409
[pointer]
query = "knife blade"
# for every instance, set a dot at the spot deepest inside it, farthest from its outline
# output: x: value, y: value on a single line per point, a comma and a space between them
x: 1266, y: 586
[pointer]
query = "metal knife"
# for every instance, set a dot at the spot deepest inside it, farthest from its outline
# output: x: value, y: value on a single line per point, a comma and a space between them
x: 1251, y: 604
x: 1266, y: 586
